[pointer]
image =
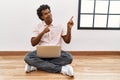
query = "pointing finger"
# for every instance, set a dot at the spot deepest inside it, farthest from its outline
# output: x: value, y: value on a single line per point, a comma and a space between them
x: 71, y: 18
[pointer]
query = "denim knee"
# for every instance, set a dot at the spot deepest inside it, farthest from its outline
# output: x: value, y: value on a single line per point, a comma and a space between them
x: 68, y: 56
x: 26, y: 58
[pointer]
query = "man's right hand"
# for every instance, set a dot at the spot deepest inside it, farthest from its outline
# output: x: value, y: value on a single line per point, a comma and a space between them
x: 46, y: 29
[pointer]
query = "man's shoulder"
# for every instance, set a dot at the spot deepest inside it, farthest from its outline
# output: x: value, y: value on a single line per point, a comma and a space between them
x: 40, y: 24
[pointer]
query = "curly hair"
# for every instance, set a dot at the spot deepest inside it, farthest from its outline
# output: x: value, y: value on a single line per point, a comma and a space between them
x: 39, y: 10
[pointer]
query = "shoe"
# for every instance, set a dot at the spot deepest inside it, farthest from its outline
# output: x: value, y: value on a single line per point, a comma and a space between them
x: 29, y: 68
x: 67, y: 70
x: 33, y: 68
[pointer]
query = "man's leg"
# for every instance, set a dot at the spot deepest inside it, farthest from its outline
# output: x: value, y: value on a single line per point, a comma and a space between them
x: 64, y: 59
x: 41, y: 64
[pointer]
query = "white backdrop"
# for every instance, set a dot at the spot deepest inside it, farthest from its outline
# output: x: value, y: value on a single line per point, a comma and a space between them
x: 18, y: 18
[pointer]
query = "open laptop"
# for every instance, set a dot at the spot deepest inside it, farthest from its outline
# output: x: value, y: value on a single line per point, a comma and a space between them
x: 48, y: 51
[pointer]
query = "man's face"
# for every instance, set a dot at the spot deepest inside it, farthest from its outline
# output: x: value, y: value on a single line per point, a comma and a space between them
x: 47, y: 16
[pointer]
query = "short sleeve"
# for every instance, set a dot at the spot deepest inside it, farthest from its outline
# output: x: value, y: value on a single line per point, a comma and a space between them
x: 35, y: 32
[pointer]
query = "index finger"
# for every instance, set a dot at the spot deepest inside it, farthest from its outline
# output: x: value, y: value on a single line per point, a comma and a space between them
x: 71, y: 18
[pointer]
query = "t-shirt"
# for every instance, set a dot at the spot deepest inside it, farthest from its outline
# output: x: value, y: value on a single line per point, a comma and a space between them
x: 53, y: 37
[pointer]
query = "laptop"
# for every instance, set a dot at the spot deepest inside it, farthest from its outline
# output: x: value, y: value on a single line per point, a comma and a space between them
x: 48, y: 51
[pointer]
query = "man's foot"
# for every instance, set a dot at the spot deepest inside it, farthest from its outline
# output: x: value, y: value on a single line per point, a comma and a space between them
x: 29, y: 68
x: 67, y: 70
x: 33, y: 68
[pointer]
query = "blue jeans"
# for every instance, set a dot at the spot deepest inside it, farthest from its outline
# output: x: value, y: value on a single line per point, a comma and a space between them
x: 52, y: 65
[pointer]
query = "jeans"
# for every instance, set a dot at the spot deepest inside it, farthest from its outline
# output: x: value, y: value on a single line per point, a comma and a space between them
x: 52, y: 65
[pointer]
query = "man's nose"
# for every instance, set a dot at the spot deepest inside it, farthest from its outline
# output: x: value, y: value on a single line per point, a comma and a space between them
x: 49, y: 14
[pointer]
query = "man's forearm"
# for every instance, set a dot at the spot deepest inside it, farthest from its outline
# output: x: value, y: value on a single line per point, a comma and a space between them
x: 67, y: 37
x: 36, y: 40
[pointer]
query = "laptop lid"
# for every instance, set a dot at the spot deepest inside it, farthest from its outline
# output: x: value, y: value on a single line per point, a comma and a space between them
x: 48, y: 51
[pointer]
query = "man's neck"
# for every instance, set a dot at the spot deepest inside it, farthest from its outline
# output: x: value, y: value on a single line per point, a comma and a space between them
x: 48, y: 23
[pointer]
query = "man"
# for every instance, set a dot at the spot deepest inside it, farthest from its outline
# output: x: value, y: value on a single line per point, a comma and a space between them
x: 47, y: 33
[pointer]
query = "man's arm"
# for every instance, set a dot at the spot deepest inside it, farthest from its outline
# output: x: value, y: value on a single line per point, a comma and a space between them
x: 67, y: 37
x: 36, y: 40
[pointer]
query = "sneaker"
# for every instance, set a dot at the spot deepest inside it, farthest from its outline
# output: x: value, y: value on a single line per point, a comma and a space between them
x: 33, y: 68
x: 67, y: 70
x: 29, y: 68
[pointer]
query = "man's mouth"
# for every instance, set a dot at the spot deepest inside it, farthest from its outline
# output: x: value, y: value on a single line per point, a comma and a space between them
x: 49, y: 17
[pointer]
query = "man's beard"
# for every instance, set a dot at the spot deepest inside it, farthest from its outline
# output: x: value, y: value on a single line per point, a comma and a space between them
x: 48, y: 21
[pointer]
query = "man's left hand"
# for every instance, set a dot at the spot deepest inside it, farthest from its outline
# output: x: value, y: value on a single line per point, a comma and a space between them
x: 70, y: 23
